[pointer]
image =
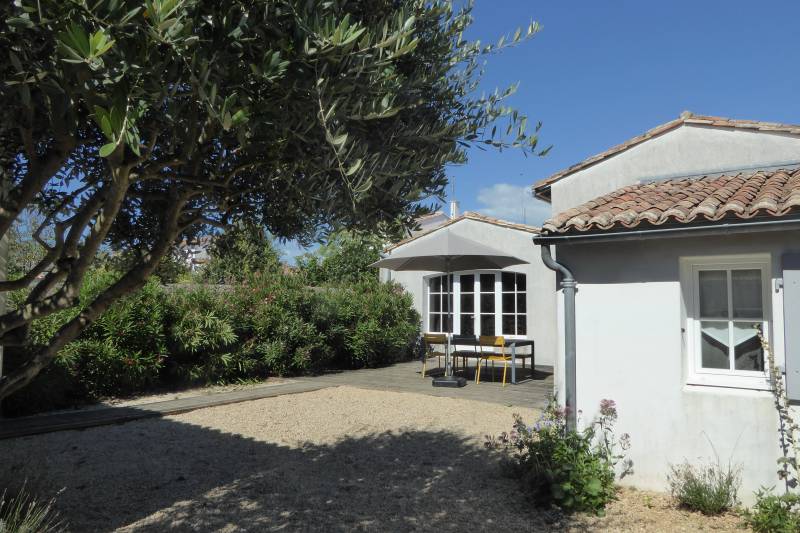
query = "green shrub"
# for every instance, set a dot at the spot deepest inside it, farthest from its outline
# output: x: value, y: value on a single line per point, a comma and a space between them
x: 709, y: 489
x: 268, y: 324
x: 573, y: 470
x: 22, y: 513
x: 56, y: 387
x: 106, y: 369
x: 121, y: 353
x: 271, y: 315
x: 774, y: 513
x: 239, y: 253
x: 344, y: 259
x: 367, y: 324
x: 198, y: 323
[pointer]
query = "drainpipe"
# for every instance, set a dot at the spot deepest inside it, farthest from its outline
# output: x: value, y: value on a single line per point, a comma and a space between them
x: 568, y: 283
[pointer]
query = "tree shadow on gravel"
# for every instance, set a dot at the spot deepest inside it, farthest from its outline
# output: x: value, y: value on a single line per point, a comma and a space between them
x: 160, y: 474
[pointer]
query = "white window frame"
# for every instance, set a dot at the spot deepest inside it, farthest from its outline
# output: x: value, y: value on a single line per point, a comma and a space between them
x: 691, y: 268
x: 498, y: 301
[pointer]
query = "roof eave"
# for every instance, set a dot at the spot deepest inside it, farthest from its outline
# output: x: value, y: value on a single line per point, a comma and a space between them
x: 676, y: 230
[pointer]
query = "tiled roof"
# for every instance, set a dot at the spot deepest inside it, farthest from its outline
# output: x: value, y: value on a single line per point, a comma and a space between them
x: 685, y: 118
x: 772, y: 193
x: 469, y: 215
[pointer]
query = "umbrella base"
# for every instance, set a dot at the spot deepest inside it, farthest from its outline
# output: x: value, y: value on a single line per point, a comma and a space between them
x: 449, y: 381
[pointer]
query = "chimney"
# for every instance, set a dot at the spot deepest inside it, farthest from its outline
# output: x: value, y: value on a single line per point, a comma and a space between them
x: 453, y: 208
x: 453, y: 201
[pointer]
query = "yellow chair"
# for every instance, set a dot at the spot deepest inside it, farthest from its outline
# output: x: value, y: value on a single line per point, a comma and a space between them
x: 491, y: 342
x: 430, y: 342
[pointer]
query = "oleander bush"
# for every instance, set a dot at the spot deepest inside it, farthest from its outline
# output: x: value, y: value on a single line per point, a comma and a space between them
x: 573, y: 470
x: 366, y: 324
x: 710, y: 489
x: 272, y: 313
x: 120, y: 354
x: 267, y: 324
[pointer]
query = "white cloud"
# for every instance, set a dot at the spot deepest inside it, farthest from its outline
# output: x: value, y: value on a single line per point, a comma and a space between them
x: 512, y: 203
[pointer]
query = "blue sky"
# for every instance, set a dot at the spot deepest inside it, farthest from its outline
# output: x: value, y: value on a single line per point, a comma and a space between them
x: 601, y: 72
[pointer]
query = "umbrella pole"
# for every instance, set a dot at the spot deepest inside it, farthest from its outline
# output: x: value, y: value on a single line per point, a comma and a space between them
x: 448, y: 380
x: 448, y: 367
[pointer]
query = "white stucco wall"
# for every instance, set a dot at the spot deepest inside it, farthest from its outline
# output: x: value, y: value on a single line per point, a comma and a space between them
x: 687, y: 150
x: 631, y: 348
x: 541, y: 316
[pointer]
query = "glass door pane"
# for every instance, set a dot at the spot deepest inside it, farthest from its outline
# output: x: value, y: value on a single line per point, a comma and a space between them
x: 487, y: 324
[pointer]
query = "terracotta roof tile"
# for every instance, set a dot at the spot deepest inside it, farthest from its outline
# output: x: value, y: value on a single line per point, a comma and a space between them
x: 685, y: 118
x: 710, y: 198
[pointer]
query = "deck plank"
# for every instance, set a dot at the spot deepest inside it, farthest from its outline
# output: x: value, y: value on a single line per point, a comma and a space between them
x: 402, y: 377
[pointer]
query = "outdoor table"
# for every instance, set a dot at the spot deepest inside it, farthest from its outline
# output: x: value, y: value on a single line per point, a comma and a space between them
x: 458, y: 340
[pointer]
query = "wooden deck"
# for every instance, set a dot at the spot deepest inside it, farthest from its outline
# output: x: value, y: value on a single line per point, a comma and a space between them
x: 533, y: 389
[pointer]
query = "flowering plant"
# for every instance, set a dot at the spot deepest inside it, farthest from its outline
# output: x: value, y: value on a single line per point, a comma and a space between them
x: 574, y: 470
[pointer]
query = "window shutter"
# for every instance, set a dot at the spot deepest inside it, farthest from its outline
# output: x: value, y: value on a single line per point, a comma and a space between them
x: 791, y: 323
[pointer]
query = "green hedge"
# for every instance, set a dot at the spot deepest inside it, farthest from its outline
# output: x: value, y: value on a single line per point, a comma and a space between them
x: 266, y: 325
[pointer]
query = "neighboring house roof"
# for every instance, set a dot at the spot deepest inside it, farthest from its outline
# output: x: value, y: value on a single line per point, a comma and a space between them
x: 468, y: 215
x: 540, y: 188
x: 436, y: 214
x: 429, y: 221
x: 765, y: 193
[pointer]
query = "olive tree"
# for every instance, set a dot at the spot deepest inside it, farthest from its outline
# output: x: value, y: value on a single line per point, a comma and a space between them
x: 127, y: 125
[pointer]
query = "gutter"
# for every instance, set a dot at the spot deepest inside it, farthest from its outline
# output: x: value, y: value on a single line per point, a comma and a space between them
x: 681, y: 231
x: 568, y: 284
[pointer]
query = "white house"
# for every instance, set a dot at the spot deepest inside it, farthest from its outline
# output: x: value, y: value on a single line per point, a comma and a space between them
x: 517, y: 302
x: 681, y: 241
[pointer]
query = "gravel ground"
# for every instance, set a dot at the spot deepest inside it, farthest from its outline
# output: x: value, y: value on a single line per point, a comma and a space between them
x: 338, y: 459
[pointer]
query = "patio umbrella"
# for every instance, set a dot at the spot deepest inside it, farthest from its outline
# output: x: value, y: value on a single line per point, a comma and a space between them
x: 444, y: 251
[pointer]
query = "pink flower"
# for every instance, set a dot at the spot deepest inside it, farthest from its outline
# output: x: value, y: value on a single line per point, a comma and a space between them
x: 608, y: 408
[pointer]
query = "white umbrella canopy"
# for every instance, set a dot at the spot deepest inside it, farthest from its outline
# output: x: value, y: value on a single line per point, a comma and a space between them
x: 445, y: 251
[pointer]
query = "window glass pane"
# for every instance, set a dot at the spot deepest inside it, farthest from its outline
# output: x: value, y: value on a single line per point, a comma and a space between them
x: 520, y: 282
x: 487, y: 324
x: 713, y: 294
x: 714, y: 342
x: 468, y: 283
x: 747, y: 352
x: 446, y: 298
x: 435, y: 284
x: 747, y: 297
x: 445, y: 286
x: 522, y: 325
x: 508, y: 324
x: 521, y: 304
x: 435, y: 303
x: 467, y: 303
x: 467, y: 324
x: 508, y: 303
x: 487, y: 282
x: 436, y: 322
x: 508, y: 281
x: 487, y: 303
x: 447, y: 323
